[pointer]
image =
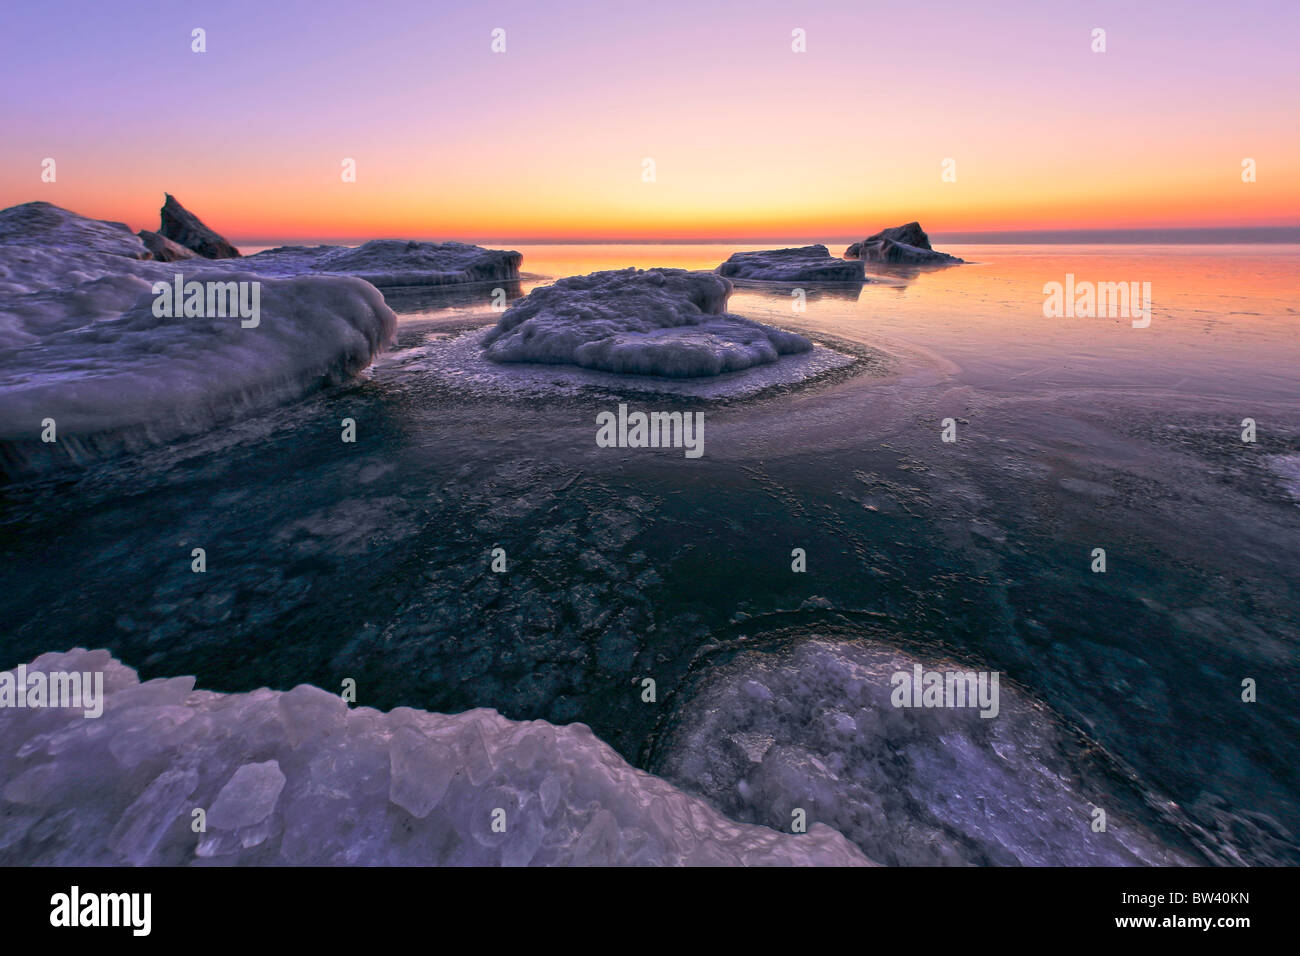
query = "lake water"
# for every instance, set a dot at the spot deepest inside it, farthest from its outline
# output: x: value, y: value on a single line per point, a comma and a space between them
x: 371, y: 560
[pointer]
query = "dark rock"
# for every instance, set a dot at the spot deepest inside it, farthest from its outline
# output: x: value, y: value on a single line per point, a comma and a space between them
x: 903, y: 244
x: 183, y: 227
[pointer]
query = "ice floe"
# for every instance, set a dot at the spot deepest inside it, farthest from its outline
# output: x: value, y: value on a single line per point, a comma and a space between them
x: 802, y: 264
x: 395, y: 262
x: 664, y: 322
x: 299, y: 777
x: 457, y: 362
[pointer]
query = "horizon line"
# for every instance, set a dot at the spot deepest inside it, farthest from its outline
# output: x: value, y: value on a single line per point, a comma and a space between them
x: 1178, y: 235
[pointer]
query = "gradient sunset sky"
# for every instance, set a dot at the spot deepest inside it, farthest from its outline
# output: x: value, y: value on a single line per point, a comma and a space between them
x: 749, y: 138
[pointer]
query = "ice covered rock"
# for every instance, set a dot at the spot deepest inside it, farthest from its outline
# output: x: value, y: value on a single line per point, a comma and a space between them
x: 163, y: 249
x: 360, y: 788
x: 815, y: 727
x: 802, y: 264
x: 96, y: 359
x: 395, y: 262
x: 665, y: 322
x: 81, y: 345
x: 906, y: 244
x: 183, y: 227
x: 48, y: 225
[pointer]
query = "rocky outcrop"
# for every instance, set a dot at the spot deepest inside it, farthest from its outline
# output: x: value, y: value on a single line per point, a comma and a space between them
x: 163, y: 249
x: 183, y: 227
x: 907, y: 244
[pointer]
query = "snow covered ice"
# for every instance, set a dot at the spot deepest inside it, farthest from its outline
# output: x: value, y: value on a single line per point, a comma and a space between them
x: 666, y: 322
x: 802, y: 264
x: 45, y: 224
x: 108, y: 366
x: 298, y: 777
x: 459, y: 363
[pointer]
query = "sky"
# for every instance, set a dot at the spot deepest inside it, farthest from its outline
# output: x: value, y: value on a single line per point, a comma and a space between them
x: 549, y: 139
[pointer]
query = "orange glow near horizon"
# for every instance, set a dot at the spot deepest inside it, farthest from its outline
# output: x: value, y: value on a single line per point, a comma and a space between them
x: 583, y: 207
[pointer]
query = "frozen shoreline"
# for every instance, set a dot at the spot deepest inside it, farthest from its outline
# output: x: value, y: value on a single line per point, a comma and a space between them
x: 301, y: 778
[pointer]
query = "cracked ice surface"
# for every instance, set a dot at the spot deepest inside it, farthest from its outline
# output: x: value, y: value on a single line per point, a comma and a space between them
x: 814, y: 727
x: 298, y: 777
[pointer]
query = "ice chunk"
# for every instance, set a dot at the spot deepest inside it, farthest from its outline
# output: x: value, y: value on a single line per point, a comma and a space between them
x: 249, y: 796
x: 147, y: 820
x: 804, y: 264
x: 665, y: 322
x: 421, y: 771
x: 403, y: 788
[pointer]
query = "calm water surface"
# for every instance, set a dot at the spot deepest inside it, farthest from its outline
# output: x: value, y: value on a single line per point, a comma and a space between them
x: 370, y: 560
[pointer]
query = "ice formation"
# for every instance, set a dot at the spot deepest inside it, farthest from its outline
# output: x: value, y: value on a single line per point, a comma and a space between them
x: 395, y: 262
x: 815, y: 728
x: 80, y: 343
x: 907, y: 244
x: 299, y: 777
x: 1287, y: 470
x: 459, y: 363
x: 803, y: 264
x: 45, y: 224
x: 114, y: 368
x: 666, y: 322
